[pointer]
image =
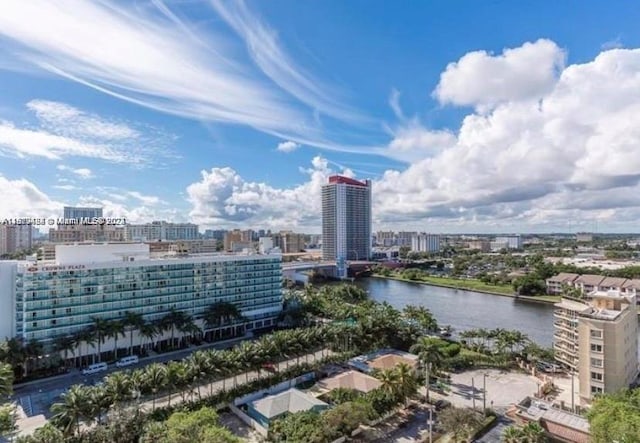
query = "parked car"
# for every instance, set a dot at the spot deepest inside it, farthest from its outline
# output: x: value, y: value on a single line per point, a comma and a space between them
x: 126, y: 361
x: 94, y: 368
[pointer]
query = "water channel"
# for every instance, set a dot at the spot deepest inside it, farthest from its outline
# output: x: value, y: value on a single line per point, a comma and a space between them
x: 465, y: 310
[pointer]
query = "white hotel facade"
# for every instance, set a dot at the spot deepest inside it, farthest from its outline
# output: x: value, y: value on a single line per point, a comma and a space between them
x: 43, y: 301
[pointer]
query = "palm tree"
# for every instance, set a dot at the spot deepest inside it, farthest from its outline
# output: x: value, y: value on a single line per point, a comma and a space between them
x: 171, y: 321
x: 533, y: 433
x: 118, y: 388
x: 32, y: 351
x: 156, y: 378
x: 197, y: 366
x: 148, y: 331
x: 115, y: 329
x: 188, y: 328
x: 176, y: 378
x: 64, y: 344
x: 137, y: 380
x: 219, y: 315
x: 133, y: 321
x: 389, y: 382
x: 429, y: 351
x: 87, y: 337
x: 407, y: 382
x: 100, y: 330
x: 73, y: 407
x: 512, y: 434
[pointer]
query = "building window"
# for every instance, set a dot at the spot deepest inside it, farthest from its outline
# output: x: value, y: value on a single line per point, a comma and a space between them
x: 596, y: 362
x: 597, y: 376
x: 595, y: 333
x: 596, y: 348
x: 596, y: 390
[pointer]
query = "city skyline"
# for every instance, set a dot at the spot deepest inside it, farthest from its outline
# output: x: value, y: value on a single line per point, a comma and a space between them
x: 468, y: 119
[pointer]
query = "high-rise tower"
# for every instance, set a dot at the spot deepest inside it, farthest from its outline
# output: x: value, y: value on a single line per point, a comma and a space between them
x: 346, y: 219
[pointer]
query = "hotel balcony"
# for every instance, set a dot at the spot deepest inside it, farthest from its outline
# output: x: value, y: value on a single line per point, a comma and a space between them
x: 565, y: 315
x: 567, y: 360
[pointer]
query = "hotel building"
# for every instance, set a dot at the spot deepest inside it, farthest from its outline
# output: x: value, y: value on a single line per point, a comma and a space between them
x: 47, y: 300
x: 598, y: 338
x: 346, y: 219
x: 161, y: 231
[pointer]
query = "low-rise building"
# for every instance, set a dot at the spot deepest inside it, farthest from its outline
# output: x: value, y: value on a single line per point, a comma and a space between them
x: 267, y: 409
x: 557, y: 283
x: 350, y: 380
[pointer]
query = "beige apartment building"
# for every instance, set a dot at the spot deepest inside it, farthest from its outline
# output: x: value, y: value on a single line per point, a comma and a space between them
x: 598, y: 338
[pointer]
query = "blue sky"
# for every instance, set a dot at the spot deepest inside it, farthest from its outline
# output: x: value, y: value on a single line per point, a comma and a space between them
x: 492, y: 116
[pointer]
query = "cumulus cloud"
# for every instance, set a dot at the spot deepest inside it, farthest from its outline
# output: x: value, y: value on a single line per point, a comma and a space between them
x: 223, y: 197
x: 287, y: 146
x: 21, y: 198
x: 482, y: 79
x: 562, y: 161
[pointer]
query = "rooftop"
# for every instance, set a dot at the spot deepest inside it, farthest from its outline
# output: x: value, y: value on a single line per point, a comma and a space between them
x: 339, y: 179
x: 291, y: 400
x: 539, y: 410
x: 350, y: 380
x: 590, y: 279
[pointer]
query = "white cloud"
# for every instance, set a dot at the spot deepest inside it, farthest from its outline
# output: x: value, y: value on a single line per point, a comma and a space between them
x: 21, y: 198
x: 65, y: 187
x: 151, y: 57
x: 394, y: 103
x: 561, y: 162
x: 149, y: 200
x: 65, y: 131
x: 287, y: 146
x: 482, y: 79
x: 84, y: 173
x: 223, y: 198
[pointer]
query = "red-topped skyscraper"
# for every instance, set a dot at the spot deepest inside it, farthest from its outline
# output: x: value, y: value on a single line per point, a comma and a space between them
x: 346, y: 219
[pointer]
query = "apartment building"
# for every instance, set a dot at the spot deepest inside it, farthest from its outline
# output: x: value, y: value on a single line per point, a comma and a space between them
x: 598, y: 338
x: 161, y: 231
x: 480, y: 245
x: 512, y: 241
x: 346, y: 219
x: 588, y: 283
x: 404, y: 238
x: 230, y: 237
x: 15, y: 238
x: 425, y: 243
x: 386, y: 238
x: 288, y: 242
x: 86, y: 233
x: 47, y: 300
x: 77, y: 212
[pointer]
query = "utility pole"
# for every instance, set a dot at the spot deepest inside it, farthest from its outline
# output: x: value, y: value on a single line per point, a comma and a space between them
x: 427, y: 369
x: 430, y: 424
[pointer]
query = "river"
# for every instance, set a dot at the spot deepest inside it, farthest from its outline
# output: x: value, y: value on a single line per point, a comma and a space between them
x: 465, y: 310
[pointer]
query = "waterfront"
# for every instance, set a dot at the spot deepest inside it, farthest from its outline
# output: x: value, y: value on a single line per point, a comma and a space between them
x: 465, y: 310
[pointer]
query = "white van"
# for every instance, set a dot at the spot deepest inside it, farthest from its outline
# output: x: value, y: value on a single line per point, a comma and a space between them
x: 94, y: 368
x: 126, y: 361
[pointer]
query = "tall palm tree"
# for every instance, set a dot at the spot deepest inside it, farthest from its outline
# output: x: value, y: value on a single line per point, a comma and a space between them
x: 148, y: 331
x: 137, y: 380
x: 33, y: 351
x: 74, y: 406
x: 197, y: 366
x: 407, y: 382
x: 100, y: 330
x: 220, y: 315
x: 532, y: 432
x: 64, y: 344
x: 133, y: 321
x: 429, y: 351
x: 87, y: 336
x: 173, y: 320
x: 156, y: 378
x: 115, y: 329
x: 176, y: 378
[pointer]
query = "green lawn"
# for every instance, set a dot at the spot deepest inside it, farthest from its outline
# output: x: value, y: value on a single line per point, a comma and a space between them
x: 469, y: 284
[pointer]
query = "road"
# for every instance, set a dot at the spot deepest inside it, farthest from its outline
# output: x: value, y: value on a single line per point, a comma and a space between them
x: 40, y: 394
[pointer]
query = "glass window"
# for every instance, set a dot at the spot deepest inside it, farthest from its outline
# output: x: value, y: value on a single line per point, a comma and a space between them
x: 597, y: 376
x: 596, y: 362
x: 596, y: 333
x: 596, y: 348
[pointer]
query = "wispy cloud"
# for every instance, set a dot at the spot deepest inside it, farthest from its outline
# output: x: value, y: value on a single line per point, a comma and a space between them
x: 65, y: 131
x: 153, y: 57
